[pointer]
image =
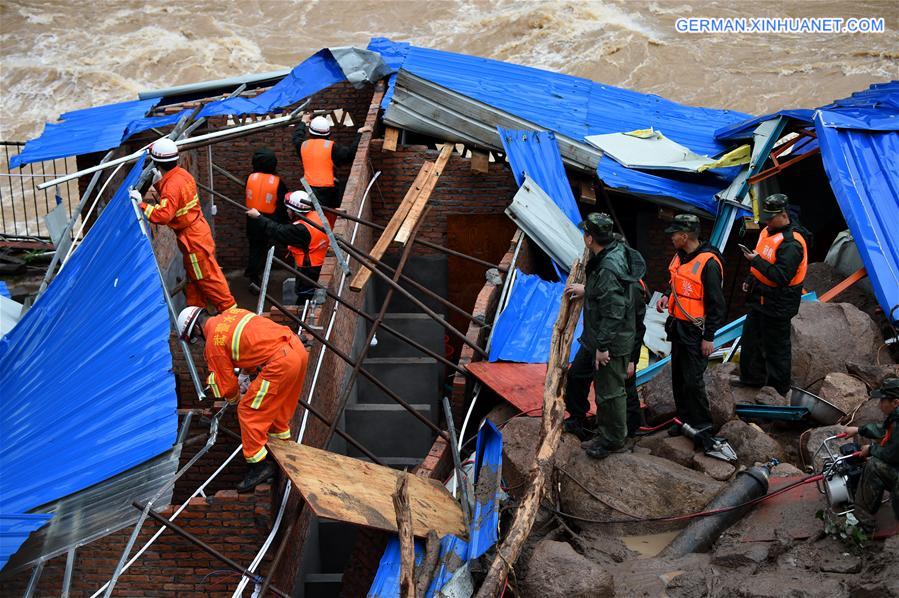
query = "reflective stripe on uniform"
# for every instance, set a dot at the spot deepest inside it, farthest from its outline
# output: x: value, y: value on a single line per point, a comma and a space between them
x: 281, y: 435
x: 149, y: 210
x: 187, y: 207
x: 235, y: 339
x: 215, y: 387
x: 260, y: 394
x: 196, y: 266
x: 259, y: 456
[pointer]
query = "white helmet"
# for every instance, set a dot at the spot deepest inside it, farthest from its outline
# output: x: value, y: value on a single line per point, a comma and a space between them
x: 320, y: 126
x: 164, y: 150
x: 187, y: 319
x: 298, y: 201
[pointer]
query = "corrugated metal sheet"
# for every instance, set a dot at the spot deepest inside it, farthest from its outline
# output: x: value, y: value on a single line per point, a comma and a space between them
x: 86, y: 375
x: 534, y: 212
x: 744, y: 129
x: 83, y: 131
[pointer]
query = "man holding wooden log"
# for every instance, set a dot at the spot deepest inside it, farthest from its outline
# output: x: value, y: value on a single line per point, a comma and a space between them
x: 607, y: 339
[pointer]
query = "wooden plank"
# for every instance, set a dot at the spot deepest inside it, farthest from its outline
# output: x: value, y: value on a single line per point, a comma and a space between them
x: 353, y: 491
x: 480, y: 162
x: 402, y: 236
x: 361, y: 278
x: 588, y: 192
x: 391, y: 136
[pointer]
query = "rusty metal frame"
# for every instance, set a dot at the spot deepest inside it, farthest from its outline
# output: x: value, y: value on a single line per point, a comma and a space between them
x: 779, y: 151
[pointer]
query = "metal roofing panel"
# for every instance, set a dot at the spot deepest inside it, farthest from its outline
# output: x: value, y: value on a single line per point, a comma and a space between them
x: 694, y: 194
x: 873, y: 109
x: 88, y: 368
x: 83, y: 131
x: 744, y: 129
x: 861, y: 166
x: 649, y: 152
x: 546, y: 224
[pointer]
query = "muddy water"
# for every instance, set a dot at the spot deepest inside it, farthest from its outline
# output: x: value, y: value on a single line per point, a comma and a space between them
x: 59, y: 55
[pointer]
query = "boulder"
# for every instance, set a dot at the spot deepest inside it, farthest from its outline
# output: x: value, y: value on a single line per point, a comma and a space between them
x: 751, y: 443
x: 723, y: 395
x: 825, y: 336
x: 652, y: 441
x: 868, y: 413
x: 602, y: 548
x: 656, y: 395
x: 785, y: 470
x: 811, y: 441
x: 873, y: 375
x: 843, y: 391
x: 712, y: 467
x: 678, y: 449
x: 520, y: 437
x: 633, y: 484
x: 556, y: 570
x: 821, y: 277
x: 768, y: 396
x: 741, y: 554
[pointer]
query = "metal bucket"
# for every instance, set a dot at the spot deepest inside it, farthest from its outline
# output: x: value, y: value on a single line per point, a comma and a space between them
x: 818, y: 409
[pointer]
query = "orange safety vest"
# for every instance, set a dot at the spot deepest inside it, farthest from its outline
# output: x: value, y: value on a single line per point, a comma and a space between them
x: 686, y: 283
x: 262, y: 192
x: 767, y: 250
x: 318, y: 244
x: 318, y: 167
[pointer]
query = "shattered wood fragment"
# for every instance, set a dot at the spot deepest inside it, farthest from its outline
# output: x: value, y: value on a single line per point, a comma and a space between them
x: 425, y: 571
x: 550, y: 433
x: 407, y: 541
x: 480, y: 161
x: 391, y: 136
x: 361, y: 278
x: 402, y: 236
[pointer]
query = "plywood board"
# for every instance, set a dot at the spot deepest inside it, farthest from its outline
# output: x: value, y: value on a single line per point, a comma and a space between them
x: 346, y: 489
x: 520, y: 384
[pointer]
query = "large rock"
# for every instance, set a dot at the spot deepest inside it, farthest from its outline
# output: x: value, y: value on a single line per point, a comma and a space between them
x: 871, y: 374
x: 712, y: 467
x: 826, y: 336
x: 555, y: 570
x: 844, y: 391
x: 678, y: 449
x: 520, y: 438
x: 868, y: 413
x: 633, y: 484
x: 770, y: 397
x: 751, y: 443
x: 821, y: 277
x: 723, y: 395
x: 658, y: 398
x: 812, y: 440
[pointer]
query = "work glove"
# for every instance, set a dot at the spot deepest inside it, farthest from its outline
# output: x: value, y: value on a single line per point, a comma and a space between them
x: 243, y: 382
x: 157, y: 176
x: 135, y: 195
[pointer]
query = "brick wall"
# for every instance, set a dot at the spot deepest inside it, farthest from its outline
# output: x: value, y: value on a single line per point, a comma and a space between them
x: 231, y: 523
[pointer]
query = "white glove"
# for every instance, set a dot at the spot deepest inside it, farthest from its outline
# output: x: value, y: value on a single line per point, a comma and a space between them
x: 157, y: 176
x: 243, y: 381
x: 136, y: 196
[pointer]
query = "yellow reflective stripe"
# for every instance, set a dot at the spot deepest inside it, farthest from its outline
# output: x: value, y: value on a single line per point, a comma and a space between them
x: 215, y: 387
x: 196, y: 265
x: 257, y: 400
x: 187, y: 207
x: 258, y: 456
x: 281, y: 435
x: 235, y: 340
x: 149, y: 210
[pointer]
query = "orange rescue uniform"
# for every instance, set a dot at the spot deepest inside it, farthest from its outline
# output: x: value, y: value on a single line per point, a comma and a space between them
x: 767, y: 250
x: 239, y: 338
x: 318, y: 242
x: 318, y: 164
x: 179, y: 209
x: 686, y: 283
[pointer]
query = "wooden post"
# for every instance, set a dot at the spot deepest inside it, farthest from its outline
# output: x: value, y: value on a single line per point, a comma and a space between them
x: 425, y: 572
x: 391, y: 136
x: 550, y: 433
x: 407, y: 541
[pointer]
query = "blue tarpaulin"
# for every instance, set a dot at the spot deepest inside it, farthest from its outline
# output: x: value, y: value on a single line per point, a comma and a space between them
x: 536, y: 154
x: 15, y: 529
x: 86, y: 378
x: 523, y: 331
x: 85, y: 131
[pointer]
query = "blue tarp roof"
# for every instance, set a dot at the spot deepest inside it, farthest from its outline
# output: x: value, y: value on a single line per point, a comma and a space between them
x: 15, y: 529
x: 86, y: 380
x: 85, y: 131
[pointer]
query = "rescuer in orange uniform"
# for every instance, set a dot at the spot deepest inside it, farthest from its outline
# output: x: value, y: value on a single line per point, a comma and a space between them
x: 179, y: 209
x: 264, y: 193
x: 307, y: 244
x: 320, y: 155
x: 273, y: 361
x: 697, y: 308
x: 774, y: 287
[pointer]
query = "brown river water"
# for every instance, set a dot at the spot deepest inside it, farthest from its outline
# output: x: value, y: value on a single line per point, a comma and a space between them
x: 59, y: 55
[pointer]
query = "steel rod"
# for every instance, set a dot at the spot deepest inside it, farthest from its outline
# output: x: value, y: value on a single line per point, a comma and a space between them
x: 365, y: 373
x: 392, y: 331
x: 204, y: 546
x: 457, y: 460
x: 265, y: 276
x: 67, y: 576
x: 34, y: 579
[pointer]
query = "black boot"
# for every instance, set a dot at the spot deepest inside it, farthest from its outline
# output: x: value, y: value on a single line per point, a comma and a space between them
x: 578, y: 427
x: 257, y: 473
x: 597, y: 449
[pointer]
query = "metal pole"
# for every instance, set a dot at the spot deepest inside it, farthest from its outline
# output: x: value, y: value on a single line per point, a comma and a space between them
x: 365, y: 373
x: 338, y: 254
x: 34, y: 579
x: 70, y: 225
x: 67, y: 577
x: 457, y: 460
x: 265, y: 274
x: 205, y: 547
x: 506, y: 287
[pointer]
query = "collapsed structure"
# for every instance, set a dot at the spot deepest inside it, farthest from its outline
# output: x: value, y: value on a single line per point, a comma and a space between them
x: 131, y: 425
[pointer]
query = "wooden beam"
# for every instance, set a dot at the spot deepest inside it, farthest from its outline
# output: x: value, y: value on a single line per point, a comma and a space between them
x: 402, y: 235
x: 550, y: 432
x: 842, y: 286
x: 588, y: 192
x: 480, y: 161
x: 391, y: 136
x: 404, y: 531
x: 396, y: 221
x: 354, y: 491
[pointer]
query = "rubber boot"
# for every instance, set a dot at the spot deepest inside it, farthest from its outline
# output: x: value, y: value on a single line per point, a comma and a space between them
x: 578, y: 427
x: 257, y: 473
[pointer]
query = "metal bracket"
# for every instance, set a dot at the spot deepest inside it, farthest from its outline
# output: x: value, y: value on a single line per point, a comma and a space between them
x: 338, y: 253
